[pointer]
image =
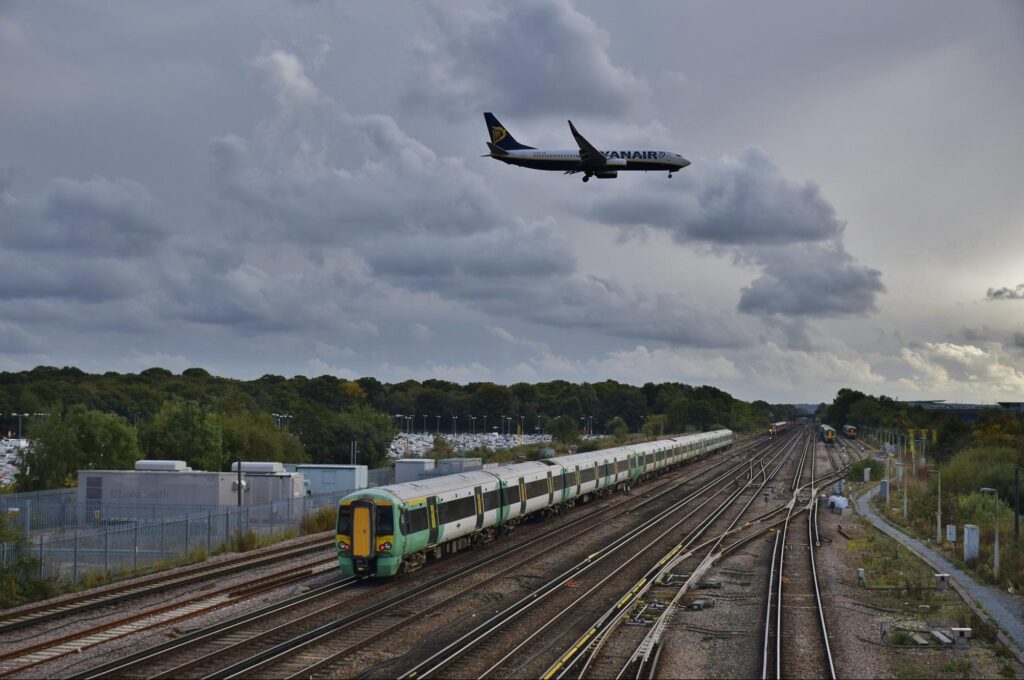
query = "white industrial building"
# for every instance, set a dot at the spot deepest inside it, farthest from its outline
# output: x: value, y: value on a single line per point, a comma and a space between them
x: 106, y: 495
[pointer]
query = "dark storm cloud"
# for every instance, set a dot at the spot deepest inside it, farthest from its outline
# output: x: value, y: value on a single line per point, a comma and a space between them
x: 523, y: 251
x: 1006, y: 293
x: 524, y: 58
x: 319, y: 177
x: 812, y: 280
x: 744, y: 200
x: 96, y: 217
x: 746, y: 207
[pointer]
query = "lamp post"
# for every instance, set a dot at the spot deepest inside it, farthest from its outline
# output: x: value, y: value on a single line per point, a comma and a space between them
x: 903, y: 472
x: 995, y: 514
x: 438, y: 424
x: 454, y: 421
x: 485, y: 424
x: 938, y: 505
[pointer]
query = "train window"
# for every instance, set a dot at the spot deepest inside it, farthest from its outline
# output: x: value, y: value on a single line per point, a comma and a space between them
x: 512, y: 494
x: 345, y: 520
x: 385, y: 520
x: 415, y: 520
x: 490, y: 500
x: 650, y: 458
x: 460, y: 508
x: 537, y: 488
x: 587, y: 475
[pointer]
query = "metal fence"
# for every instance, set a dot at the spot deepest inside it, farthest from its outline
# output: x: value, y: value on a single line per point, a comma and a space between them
x: 35, y: 511
x: 135, y: 545
x: 57, y: 510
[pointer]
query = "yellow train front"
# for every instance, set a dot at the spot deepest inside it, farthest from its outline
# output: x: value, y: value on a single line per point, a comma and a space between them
x: 850, y: 431
x: 828, y: 434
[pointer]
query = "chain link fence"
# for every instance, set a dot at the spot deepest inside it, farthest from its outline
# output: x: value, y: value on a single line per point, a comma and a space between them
x: 124, y: 546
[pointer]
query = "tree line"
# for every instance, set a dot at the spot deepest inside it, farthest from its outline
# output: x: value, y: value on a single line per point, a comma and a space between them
x: 97, y: 421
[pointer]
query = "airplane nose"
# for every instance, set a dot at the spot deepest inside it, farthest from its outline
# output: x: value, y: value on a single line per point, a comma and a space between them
x: 683, y: 162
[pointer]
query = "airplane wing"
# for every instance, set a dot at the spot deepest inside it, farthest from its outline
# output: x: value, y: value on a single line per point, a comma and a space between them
x: 590, y: 157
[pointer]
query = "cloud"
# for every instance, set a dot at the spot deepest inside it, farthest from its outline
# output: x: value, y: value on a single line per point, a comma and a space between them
x: 742, y: 200
x: 528, y: 58
x: 811, y: 281
x: 422, y: 333
x: 286, y: 76
x: 98, y: 217
x: 1006, y: 293
x: 948, y: 368
x: 745, y: 207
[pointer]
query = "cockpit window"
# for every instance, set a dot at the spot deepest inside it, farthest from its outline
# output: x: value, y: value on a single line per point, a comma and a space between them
x: 345, y: 520
x: 385, y: 520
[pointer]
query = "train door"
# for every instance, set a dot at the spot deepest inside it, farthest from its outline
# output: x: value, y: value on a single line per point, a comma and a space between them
x: 522, y: 496
x: 362, y: 529
x: 432, y: 511
x: 579, y: 483
x: 478, y: 495
x: 502, y: 502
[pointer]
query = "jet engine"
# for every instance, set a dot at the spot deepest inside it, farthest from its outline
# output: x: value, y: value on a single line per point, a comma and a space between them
x: 611, y: 174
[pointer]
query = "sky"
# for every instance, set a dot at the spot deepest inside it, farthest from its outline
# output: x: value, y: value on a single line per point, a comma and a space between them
x: 298, y: 187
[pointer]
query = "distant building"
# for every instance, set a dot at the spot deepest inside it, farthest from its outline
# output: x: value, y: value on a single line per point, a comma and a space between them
x: 966, y: 412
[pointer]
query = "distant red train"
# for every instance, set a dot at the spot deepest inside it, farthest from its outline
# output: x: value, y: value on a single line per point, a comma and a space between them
x: 776, y: 428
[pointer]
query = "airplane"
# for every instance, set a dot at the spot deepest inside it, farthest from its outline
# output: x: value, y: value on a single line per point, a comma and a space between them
x: 588, y: 159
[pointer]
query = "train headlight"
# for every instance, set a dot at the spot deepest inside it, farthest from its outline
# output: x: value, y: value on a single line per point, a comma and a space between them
x: 342, y: 546
x: 384, y: 546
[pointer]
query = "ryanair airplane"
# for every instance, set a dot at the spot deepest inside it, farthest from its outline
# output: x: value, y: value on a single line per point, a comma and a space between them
x: 588, y: 159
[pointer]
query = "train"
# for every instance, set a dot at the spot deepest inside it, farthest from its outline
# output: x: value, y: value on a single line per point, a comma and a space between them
x: 776, y: 428
x: 393, y: 529
x: 850, y: 431
x: 828, y: 434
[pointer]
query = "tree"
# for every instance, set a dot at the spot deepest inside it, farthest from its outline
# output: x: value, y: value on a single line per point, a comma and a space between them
x: 255, y: 436
x: 563, y: 429
x: 81, y: 439
x: 617, y: 428
x: 184, y: 430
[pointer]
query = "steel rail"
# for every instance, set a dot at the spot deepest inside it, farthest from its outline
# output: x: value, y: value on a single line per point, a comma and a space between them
x: 45, y: 611
x: 465, y: 642
x: 590, y: 644
x: 281, y: 650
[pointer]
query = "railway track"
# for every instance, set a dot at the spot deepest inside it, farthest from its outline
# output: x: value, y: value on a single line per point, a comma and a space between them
x: 480, y: 643
x: 651, y: 603
x: 17, y: 661
x: 275, y: 645
x: 138, y: 588
x: 794, y: 650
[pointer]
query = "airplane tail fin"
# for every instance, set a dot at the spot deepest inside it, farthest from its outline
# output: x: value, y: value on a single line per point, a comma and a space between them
x: 500, y: 137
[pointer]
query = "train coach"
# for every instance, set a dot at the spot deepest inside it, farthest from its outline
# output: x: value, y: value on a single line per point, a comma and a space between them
x: 828, y: 434
x: 850, y: 431
x: 777, y: 428
x: 397, y: 528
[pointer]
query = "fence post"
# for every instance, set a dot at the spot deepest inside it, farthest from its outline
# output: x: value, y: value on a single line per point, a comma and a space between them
x: 106, y: 550
x: 247, y: 519
x: 40, y: 556
x: 74, y: 569
x: 227, y: 526
x: 135, y: 554
x: 209, y: 532
x: 162, y: 525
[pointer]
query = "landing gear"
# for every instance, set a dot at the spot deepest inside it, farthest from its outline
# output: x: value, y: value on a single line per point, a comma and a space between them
x: 670, y: 175
x: 586, y: 178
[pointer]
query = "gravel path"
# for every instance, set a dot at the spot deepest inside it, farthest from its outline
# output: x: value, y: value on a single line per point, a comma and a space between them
x: 987, y: 601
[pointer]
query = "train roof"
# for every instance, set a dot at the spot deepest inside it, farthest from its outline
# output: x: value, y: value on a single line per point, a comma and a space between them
x: 445, y: 483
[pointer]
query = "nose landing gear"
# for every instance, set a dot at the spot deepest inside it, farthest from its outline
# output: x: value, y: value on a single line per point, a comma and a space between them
x: 586, y: 178
x: 670, y: 175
